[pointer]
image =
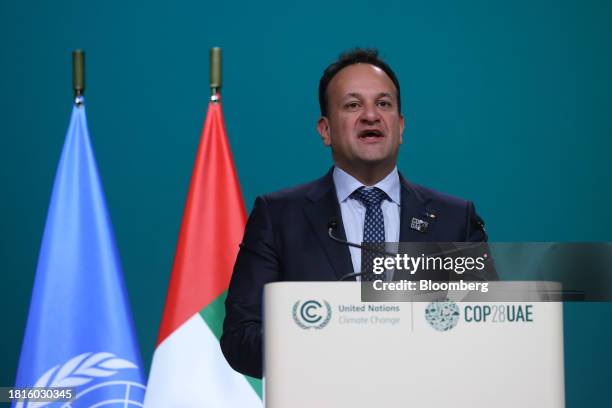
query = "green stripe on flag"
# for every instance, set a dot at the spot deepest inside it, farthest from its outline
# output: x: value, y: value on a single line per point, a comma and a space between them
x: 213, y: 315
x: 256, y: 384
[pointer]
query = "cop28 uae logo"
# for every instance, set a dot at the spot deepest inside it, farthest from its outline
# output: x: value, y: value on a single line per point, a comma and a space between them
x: 442, y: 316
x: 311, y: 314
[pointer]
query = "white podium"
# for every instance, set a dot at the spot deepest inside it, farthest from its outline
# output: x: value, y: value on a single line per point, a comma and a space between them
x: 325, y: 348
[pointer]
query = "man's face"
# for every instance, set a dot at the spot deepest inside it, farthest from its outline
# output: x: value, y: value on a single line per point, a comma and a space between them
x: 363, y: 125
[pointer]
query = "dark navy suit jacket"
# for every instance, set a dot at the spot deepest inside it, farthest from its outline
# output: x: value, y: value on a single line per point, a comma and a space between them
x: 286, y: 239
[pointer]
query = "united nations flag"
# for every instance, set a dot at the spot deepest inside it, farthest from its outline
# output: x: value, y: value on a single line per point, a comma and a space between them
x: 79, y: 332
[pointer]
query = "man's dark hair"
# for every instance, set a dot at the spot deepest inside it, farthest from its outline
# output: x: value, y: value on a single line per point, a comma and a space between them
x: 350, y: 57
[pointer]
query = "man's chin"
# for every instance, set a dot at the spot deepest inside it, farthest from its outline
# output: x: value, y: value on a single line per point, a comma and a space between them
x: 376, y: 158
x: 376, y: 163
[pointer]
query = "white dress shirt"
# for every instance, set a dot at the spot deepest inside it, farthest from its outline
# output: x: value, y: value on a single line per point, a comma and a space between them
x: 353, y: 211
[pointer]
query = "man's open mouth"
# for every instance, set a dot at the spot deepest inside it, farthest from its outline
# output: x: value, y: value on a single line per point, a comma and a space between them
x: 371, y: 133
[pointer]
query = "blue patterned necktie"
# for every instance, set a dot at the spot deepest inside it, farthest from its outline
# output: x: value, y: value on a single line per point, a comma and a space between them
x: 373, y: 228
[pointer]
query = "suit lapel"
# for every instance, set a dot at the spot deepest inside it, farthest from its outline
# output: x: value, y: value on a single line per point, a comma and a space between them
x: 321, y: 206
x: 412, y: 205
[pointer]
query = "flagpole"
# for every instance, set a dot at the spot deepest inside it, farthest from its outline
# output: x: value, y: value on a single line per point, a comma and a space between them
x: 215, y: 74
x: 78, y: 75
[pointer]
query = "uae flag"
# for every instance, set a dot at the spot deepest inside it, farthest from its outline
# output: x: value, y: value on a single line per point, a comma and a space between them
x: 188, y: 368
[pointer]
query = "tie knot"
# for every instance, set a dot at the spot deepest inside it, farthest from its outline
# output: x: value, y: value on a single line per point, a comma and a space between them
x: 370, y: 197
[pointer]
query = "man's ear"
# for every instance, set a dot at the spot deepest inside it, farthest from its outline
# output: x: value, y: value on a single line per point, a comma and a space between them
x: 323, y: 129
x: 401, y: 128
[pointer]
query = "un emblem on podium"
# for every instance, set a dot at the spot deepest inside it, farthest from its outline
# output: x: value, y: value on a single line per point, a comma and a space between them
x: 311, y: 314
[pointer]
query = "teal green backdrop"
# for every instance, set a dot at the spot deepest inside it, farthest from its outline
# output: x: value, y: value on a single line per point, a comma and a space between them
x: 506, y: 103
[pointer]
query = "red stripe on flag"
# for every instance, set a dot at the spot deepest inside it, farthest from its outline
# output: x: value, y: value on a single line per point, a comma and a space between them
x: 211, y: 229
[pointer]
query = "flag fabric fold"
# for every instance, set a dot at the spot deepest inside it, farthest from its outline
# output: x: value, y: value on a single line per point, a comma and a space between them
x: 79, y: 331
x: 188, y: 368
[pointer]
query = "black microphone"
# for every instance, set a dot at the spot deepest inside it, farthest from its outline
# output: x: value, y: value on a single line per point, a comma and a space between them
x: 332, y: 224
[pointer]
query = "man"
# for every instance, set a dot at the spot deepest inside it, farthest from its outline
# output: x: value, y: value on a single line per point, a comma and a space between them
x: 286, y: 237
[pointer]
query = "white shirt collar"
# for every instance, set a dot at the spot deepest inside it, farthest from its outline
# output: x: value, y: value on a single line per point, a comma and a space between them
x: 347, y: 184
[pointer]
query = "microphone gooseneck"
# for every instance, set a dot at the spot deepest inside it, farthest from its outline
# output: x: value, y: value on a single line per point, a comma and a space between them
x: 332, y: 224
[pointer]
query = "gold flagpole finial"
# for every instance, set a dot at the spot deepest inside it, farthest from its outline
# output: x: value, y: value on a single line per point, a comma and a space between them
x: 215, y: 73
x: 78, y: 75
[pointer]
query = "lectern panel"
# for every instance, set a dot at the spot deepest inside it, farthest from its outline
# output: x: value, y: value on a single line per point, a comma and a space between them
x: 325, y: 348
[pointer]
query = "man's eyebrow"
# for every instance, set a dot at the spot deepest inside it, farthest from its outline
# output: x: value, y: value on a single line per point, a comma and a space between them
x: 387, y: 94
x: 352, y: 95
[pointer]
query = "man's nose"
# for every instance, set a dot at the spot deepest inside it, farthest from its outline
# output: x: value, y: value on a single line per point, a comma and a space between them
x: 370, y: 114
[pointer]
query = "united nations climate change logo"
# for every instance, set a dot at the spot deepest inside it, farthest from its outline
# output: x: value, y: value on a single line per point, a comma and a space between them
x: 95, y: 376
x: 311, y: 314
x: 442, y: 316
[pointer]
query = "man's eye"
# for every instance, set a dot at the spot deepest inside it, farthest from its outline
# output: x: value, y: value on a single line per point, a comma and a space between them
x: 352, y: 105
x: 384, y: 104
